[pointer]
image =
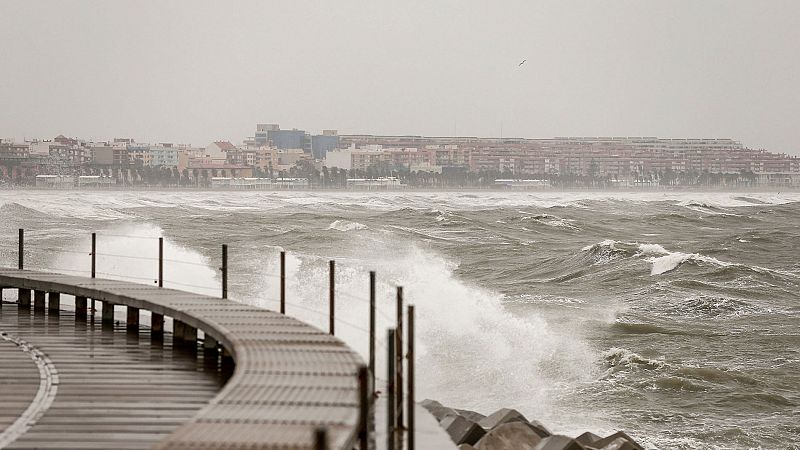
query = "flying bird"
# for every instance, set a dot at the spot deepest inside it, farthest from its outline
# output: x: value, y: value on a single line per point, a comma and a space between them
x: 523, y: 62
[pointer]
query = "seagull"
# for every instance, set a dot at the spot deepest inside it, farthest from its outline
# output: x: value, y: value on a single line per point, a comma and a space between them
x: 523, y: 62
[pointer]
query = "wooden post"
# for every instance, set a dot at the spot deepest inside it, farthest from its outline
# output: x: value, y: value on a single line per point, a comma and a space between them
x: 331, y: 297
x: 391, y: 418
x: 161, y: 262
x: 54, y: 302
x: 283, y: 282
x: 363, y: 408
x: 21, y: 262
x: 320, y: 439
x: 80, y: 308
x: 411, y: 405
x: 224, y: 271
x: 38, y: 300
x: 399, y: 359
x: 372, y: 329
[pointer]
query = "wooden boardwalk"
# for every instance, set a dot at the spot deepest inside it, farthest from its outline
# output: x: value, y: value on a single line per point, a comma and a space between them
x: 290, y: 378
x: 108, y: 388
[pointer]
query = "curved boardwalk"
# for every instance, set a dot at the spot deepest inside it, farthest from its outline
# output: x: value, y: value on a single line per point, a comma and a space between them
x: 289, y: 380
x: 108, y: 388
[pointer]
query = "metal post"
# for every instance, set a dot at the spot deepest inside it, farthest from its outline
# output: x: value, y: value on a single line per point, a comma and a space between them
x: 363, y: 408
x: 391, y: 420
x: 283, y: 282
x: 94, y: 265
x: 224, y: 270
x: 410, y: 398
x: 94, y: 253
x: 372, y: 328
x: 331, y: 296
x: 320, y: 439
x: 399, y: 359
x: 161, y: 262
x: 21, y: 263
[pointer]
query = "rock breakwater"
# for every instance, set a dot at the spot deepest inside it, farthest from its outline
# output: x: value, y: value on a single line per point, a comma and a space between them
x: 508, y: 429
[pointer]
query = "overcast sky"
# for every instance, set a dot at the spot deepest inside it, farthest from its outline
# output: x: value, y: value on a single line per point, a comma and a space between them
x: 197, y: 71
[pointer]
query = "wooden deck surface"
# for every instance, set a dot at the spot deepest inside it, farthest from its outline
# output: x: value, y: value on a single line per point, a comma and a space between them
x: 290, y: 378
x: 110, y: 388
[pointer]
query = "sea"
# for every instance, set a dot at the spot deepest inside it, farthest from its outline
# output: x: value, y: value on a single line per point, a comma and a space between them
x: 674, y: 316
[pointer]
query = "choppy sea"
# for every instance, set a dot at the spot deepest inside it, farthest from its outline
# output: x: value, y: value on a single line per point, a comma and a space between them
x: 674, y: 316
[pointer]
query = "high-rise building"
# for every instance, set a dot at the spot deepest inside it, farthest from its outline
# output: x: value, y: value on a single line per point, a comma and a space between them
x: 272, y: 135
x: 321, y: 144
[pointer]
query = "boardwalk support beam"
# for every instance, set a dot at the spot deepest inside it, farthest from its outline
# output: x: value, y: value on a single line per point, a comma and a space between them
x: 108, y: 313
x: 38, y: 300
x: 80, y: 308
x: 24, y: 298
x: 54, y: 302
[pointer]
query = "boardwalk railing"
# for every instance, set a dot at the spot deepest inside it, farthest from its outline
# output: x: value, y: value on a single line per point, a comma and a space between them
x: 293, y: 387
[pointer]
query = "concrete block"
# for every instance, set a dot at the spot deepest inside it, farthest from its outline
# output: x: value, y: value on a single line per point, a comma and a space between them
x: 510, y: 436
x: 438, y: 410
x: 539, y: 429
x: 54, y: 302
x: 38, y: 300
x: 587, y: 438
x: 24, y: 298
x: 461, y: 430
x: 500, y: 417
x: 470, y: 415
x: 559, y: 442
x: 621, y: 444
x: 602, y: 443
x: 108, y: 313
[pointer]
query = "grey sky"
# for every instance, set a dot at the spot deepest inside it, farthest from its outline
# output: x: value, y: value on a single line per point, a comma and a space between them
x: 196, y: 71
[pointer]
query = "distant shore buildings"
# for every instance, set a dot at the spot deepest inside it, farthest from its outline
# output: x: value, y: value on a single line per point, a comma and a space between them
x: 330, y: 159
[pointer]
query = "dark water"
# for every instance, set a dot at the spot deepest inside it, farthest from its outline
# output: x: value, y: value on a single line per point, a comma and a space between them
x: 673, y: 316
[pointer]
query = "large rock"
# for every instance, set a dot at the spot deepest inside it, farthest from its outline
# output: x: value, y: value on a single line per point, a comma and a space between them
x: 559, y: 442
x: 461, y: 430
x: 438, y: 410
x: 588, y: 438
x: 510, y: 436
x: 500, y: 417
x: 603, y: 443
x: 621, y: 444
x: 470, y: 415
x: 465, y: 447
x: 539, y: 429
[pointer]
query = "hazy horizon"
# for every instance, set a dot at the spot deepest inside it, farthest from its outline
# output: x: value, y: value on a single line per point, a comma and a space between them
x: 195, y: 72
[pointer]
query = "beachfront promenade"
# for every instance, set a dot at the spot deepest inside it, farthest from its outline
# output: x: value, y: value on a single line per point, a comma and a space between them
x: 68, y: 381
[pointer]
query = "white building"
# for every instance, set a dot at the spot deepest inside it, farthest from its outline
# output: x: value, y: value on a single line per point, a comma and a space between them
x: 342, y: 159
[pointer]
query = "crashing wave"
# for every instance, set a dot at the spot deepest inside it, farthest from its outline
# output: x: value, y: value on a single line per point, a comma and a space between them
x: 622, y: 358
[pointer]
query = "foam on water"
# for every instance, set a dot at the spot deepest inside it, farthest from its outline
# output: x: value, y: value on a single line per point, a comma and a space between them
x: 346, y: 225
x: 524, y: 362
